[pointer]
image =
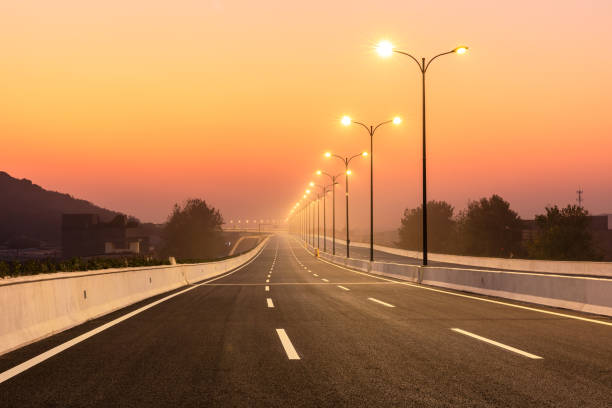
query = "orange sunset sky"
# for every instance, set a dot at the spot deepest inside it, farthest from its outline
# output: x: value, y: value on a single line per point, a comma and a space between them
x: 135, y: 105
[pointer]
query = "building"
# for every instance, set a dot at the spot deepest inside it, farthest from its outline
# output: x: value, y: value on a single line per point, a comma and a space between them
x: 87, y: 235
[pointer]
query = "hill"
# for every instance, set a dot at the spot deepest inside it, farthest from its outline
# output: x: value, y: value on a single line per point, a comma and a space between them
x: 28, y: 210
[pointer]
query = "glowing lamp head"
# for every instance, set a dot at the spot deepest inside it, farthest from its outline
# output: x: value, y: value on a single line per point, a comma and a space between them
x: 304, y: 196
x: 307, y: 191
x: 327, y: 154
x: 384, y: 49
x: 311, y: 184
x: 318, y: 172
x: 348, y: 172
x: 364, y: 154
x: 397, y: 120
x: 461, y: 50
x: 346, y: 120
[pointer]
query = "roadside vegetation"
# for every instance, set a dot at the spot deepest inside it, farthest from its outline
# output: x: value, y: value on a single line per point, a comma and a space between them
x: 489, y: 227
x: 38, y: 266
x: 192, y: 234
x: 193, y: 231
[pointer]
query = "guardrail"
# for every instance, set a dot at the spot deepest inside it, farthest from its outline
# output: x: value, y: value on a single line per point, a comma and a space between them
x: 585, y: 294
x: 34, y: 307
x: 513, y: 264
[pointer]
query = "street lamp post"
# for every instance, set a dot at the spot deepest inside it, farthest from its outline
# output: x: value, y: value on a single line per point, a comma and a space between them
x: 346, y: 121
x: 346, y: 161
x: 386, y: 49
x: 307, y: 219
x: 324, y: 192
x: 333, y: 185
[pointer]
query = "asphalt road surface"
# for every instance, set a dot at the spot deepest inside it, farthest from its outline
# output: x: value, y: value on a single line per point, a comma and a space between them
x: 290, y: 330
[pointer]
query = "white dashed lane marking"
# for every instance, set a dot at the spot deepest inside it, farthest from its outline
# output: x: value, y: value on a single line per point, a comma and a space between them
x: 381, y: 302
x: 287, y: 345
x: 495, y: 343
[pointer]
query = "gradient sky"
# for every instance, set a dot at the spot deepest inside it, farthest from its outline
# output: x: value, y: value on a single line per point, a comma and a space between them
x: 135, y: 105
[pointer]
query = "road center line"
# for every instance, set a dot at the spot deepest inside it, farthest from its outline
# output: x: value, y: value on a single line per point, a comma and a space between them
x: 270, y: 303
x: 324, y: 280
x: 495, y: 343
x: 267, y: 288
x: 381, y: 302
x: 287, y: 345
x: 343, y: 288
x: 267, y: 280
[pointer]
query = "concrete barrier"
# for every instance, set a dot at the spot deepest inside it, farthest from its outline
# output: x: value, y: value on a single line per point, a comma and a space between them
x: 512, y: 264
x: 35, y: 307
x: 592, y: 295
x: 585, y: 294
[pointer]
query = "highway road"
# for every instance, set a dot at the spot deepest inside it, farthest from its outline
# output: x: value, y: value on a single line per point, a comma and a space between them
x: 290, y: 330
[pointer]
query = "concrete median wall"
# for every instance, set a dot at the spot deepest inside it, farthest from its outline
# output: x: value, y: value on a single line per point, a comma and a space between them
x: 586, y: 294
x: 35, y: 307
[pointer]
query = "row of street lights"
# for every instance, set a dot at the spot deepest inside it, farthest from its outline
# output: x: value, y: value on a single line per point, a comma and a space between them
x: 385, y: 49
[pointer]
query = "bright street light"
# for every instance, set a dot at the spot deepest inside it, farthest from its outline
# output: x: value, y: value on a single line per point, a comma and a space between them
x: 346, y: 161
x: 346, y: 120
x: 333, y: 186
x: 371, y: 129
x: 386, y: 49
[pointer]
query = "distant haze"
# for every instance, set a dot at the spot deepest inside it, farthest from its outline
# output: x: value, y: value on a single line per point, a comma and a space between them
x: 137, y: 105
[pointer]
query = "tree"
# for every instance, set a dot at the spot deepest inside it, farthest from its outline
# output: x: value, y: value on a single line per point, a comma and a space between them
x: 440, y: 227
x: 490, y: 228
x: 563, y: 234
x: 193, y: 231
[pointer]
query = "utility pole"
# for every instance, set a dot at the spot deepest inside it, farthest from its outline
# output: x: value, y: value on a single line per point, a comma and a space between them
x: 580, y: 191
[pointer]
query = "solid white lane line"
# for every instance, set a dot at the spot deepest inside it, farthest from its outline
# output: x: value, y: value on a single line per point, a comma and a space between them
x: 267, y: 288
x: 267, y: 280
x: 414, y: 285
x: 270, y: 303
x: 381, y: 302
x: 343, y: 288
x: 495, y: 343
x: 287, y: 345
x: 26, y: 365
x: 324, y: 280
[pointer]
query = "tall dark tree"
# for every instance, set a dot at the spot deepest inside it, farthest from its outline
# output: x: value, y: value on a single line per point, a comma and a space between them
x: 440, y: 223
x: 193, y: 231
x: 563, y: 234
x: 490, y: 228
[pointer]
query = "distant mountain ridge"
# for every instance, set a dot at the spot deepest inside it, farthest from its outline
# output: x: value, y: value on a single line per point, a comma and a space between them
x: 29, y: 210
